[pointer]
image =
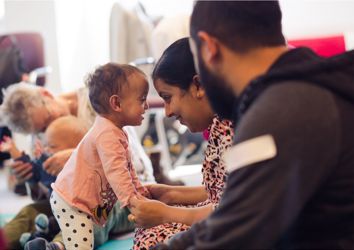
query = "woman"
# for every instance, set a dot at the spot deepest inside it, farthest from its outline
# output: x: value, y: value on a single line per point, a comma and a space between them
x: 178, y: 84
x: 30, y: 109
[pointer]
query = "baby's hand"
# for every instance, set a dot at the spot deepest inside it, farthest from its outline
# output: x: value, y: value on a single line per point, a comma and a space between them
x: 147, y: 193
x: 55, y: 163
x: 7, y: 144
x: 146, y: 213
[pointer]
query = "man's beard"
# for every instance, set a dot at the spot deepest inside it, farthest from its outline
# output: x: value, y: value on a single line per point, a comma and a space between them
x: 220, y: 96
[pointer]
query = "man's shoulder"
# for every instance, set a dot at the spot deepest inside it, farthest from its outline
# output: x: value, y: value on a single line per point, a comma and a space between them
x: 294, y: 95
x: 294, y: 89
x: 288, y: 107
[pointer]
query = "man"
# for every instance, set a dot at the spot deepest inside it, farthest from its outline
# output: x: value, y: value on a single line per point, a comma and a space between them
x: 291, y: 176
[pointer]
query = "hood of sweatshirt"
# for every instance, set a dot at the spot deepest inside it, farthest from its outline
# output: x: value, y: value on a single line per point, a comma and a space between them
x: 303, y: 65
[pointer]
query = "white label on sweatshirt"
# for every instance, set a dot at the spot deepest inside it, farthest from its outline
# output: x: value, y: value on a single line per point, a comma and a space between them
x: 249, y: 152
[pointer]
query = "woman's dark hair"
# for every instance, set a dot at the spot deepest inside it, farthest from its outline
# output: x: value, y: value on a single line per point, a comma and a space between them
x: 176, y: 66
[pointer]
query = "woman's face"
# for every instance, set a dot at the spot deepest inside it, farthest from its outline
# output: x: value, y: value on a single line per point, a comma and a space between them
x: 187, y: 106
x: 43, y: 115
x: 41, y: 118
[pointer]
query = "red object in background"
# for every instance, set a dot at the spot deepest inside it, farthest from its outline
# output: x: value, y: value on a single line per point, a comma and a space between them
x: 2, y: 241
x: 324, y: 46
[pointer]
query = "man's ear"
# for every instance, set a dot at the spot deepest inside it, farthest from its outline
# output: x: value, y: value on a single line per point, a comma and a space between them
x: 209, y: 48
x: 45, y: 92
x: 197, y: 89
x: 115, y: 103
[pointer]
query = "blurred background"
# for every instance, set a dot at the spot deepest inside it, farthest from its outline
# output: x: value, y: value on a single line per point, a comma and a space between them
x: 77, y: 35
x: 71, y: 37
x: 62, y: 40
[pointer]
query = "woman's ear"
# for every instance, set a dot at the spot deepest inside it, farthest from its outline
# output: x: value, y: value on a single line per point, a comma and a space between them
x: 115, y: 103
x: 196, y: 79
x: 197, y: 89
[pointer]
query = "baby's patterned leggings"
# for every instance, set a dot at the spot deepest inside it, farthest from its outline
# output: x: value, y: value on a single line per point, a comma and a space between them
x: 76, y: 226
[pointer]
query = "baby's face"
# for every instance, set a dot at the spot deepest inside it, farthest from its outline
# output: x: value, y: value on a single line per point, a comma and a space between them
x: 134, y: 100
x: 56, y: 141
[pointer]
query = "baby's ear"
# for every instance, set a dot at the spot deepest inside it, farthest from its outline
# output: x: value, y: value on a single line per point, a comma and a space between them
x: 115, y: 103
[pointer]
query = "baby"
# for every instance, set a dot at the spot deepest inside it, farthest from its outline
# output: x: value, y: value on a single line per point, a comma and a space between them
x: 100, y: 171
x: 63, y: 133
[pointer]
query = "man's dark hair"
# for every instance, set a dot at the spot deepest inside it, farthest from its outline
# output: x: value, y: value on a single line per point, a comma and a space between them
x: 105, y: 81
x: 176, y: 67
x: 240, y: 25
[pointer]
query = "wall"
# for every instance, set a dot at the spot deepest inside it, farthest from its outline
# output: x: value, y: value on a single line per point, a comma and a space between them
x: 167, y: 8
x: 316, y: 18
x: 83, y: 38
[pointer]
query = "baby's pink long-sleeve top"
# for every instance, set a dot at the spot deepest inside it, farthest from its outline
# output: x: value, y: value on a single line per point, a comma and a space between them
x: 99, y: 172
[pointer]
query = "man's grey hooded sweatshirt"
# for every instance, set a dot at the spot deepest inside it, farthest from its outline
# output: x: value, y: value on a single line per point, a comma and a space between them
x: 303, y: 197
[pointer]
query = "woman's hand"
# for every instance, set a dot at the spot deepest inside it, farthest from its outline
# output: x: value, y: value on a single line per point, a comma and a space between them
x: 177, y: 194
x: 161, y: 192
x: 54, y: 164
x: 22, y: 170
x: 147, y: 213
